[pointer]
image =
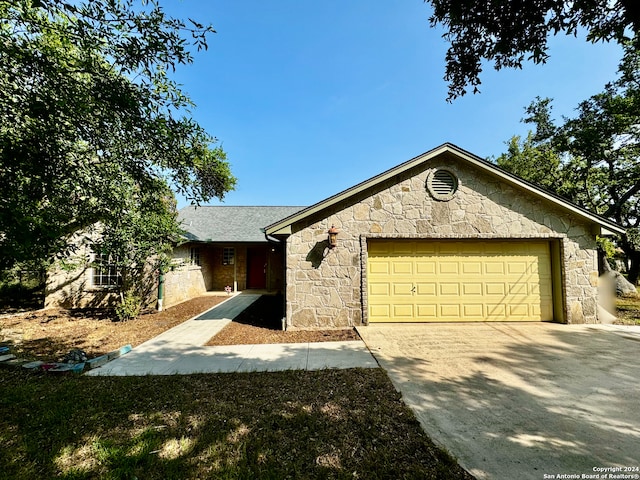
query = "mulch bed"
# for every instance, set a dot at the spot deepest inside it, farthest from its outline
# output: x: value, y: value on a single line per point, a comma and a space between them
x: 262, y: 323
x: 50, y: 334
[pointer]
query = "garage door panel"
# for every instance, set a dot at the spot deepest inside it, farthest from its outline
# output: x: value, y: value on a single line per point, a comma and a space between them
x: 516, y: 268
x: 427, y: 289
x: 403, y: 248
x: 543, y: 269
x: 493, y: 267
x: 449, y: 310
x: 518, y: 311
x: 472, y: 289
x: 380, y: 289
x: 546, y: 290
x: 380, y: 311
x: 546, y: 309
x: 427, y: 267
x: 449, y: 289
x: 472, y: 268
x: 518, y: 289
x: 496, y: 312
x: 403, y: 289
x: 425, y: 249
x: 495, y: 289
x: 379, y: 268
x: 402, y: 268
x: 473, y: 311
x: 448, y: 268
x: 448, y: 248
x: 403, y: 312
x: 428, y: 313
x: 460, y: 281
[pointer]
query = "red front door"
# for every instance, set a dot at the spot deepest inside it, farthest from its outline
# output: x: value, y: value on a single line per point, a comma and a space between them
x: 257, y: 268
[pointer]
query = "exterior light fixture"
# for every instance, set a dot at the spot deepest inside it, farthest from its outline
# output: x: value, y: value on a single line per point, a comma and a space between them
x: 333, y: 237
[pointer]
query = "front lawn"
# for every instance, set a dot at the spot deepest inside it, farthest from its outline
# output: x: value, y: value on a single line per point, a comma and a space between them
x: 327, y: 424
x: 628, y: 310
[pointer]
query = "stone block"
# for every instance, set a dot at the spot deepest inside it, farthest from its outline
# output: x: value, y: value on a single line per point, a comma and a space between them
x: 304, y: 318
x: 423, y: 227
x: 577, y: 316
x: 361, y: 212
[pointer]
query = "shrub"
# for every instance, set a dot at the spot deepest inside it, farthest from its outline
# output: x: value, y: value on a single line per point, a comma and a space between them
x: 129, y: 307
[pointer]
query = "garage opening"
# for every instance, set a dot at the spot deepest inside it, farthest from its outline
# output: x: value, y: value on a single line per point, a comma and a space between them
x: 460, y: 280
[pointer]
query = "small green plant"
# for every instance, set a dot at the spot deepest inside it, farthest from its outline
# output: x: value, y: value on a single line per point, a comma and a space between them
x: 129, y: 307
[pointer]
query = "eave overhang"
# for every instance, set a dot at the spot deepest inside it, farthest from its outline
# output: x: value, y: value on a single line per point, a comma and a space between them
x: 601, y: 225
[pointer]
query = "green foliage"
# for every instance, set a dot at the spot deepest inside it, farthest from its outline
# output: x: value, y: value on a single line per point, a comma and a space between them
x: 141, y: 241
x: 593, y: 159
x: 536, y: 162
x: 130, y: 307
x: 507, y: 32
x: 22, y: 285
x: 606, y: 246
x: 91, y: 124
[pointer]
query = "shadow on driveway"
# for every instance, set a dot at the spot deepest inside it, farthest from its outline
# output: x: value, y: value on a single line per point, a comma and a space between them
x: 519, y: 400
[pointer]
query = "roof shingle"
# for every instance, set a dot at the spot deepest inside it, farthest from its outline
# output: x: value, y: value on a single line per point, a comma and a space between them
x: 230, y: 224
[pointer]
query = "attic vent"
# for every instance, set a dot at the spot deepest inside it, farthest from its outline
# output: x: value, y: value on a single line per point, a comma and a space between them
x: 442, y: 184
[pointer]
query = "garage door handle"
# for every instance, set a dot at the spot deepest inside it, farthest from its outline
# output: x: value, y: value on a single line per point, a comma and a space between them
x: 413, y: 290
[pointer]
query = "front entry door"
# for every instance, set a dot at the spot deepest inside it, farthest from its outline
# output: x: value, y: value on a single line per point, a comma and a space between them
x: 257, y: 268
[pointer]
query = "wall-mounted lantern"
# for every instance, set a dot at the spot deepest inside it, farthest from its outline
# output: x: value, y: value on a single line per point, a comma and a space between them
x: 333, y: 237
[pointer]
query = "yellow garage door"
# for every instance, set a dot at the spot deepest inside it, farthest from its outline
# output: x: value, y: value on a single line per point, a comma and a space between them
x: 459, y: 281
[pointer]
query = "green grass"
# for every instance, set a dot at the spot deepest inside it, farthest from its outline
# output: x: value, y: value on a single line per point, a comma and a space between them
x: 628, y: 310
x: 327, y: 424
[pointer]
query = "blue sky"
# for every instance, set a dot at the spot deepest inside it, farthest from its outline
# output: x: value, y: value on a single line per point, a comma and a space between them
x: 310, y: 98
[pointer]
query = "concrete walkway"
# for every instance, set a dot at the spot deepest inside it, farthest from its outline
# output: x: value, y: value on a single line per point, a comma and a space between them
x: 181, y: 350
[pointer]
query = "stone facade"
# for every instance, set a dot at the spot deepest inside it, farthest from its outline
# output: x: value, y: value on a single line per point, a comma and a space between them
x: 186, y: 280
x: 71, y: 285
x: 327, y: 287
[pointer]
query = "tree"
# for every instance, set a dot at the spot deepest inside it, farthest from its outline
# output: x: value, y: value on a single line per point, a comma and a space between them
x: 92, y: 129
x: 533, y: 161
x: 510, y: 32
x: 599, y: 153
x: 140, y: 244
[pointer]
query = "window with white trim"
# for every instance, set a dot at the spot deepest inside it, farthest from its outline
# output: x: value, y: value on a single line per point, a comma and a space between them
x: 195, y: 256
x: 228, y: 255
x: 105, y: 271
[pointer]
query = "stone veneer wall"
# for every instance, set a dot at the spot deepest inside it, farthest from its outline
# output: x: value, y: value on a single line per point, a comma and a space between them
x: 327, y: 288
x: 184, y: 281
x: 73, y: 287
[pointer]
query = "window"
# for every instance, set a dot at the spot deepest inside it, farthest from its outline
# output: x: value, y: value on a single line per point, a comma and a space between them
x: 228, y: 256
x: 105, y: 271
x: 195, y: 256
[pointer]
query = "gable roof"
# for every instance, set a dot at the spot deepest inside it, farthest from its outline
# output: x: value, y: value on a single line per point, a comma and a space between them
x: 229, y: 224
x: 607, y: 227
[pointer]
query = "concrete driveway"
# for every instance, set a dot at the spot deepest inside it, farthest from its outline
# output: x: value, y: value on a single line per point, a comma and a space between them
x: 520, y: 401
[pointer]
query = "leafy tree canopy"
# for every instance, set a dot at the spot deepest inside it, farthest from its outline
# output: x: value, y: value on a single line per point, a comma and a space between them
x: 91, y: 123
x: 510, y: 32
x: 593, y: 158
